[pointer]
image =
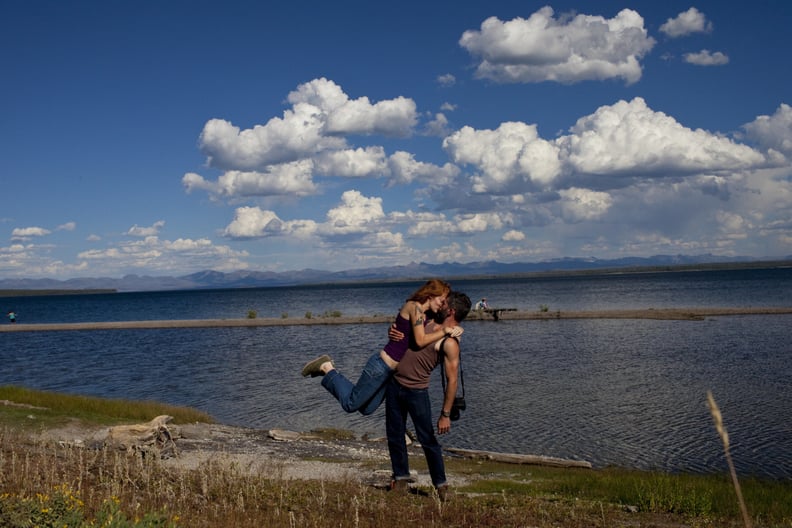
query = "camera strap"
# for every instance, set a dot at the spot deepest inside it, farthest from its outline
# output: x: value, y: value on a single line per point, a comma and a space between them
x: 442, y: 367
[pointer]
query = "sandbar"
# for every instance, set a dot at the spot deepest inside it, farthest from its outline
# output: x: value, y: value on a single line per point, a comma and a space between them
x: 681, y: 314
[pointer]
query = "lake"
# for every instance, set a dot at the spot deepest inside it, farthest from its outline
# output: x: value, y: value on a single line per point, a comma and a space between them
x: 628, y: 393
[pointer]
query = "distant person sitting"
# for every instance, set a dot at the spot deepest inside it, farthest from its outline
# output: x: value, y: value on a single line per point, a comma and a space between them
x: 12, y: 316
x: 482, y: 304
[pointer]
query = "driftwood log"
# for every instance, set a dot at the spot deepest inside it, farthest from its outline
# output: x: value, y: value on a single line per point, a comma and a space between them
x: 514, y: 458
x: 152, y: 437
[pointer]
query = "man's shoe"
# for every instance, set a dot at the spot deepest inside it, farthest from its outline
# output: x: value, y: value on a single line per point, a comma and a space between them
x: 444, y: 493
x: 313, y: 368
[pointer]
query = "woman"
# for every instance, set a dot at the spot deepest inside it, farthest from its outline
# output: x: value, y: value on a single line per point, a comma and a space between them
x: 369, y: 391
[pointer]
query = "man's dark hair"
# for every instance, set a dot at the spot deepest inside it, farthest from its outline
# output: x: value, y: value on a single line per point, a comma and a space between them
x: 460, y: 303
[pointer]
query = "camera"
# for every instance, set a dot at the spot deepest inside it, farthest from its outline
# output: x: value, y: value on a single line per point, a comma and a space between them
x: 458, y: 405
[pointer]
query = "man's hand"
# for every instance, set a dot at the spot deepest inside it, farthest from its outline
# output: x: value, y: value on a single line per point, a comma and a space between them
x: 443, y: 424
x: 393, y: 334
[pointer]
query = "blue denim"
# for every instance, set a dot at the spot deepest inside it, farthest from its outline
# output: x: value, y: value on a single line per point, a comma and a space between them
x: 369, y: 391
x: 399, y: 403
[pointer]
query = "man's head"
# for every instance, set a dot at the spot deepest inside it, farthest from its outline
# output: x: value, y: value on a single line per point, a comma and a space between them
x: 457, y: 305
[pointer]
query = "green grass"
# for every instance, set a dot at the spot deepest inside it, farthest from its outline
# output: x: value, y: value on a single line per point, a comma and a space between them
x: 697, y: 496
x: 49, y: 408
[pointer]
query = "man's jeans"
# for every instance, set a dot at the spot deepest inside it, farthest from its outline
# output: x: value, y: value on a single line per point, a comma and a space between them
x: 400, y: 402
x: 369, y: 391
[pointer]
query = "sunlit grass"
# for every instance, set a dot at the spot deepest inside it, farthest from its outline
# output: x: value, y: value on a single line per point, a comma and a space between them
x: 50, y: 407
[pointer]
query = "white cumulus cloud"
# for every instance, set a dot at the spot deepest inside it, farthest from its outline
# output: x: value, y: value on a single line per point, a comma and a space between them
x: 342, y: 115
x: 298, y: 135
x: 578, y: 205
x: 253, y: 222
x: 567, y: 49
x: 470, y: 223
x: 23, y: 233
x: 631, y: 138
x: 285, y: 155
x: 510, y: 159
x: 772, y: 131
x: 405, y: 169
x: 352, y: 163
x: 707, y: 58
x: 355, y: 214
x: 686, y: 23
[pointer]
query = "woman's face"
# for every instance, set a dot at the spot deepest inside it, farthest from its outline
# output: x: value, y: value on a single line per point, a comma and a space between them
x: 436, y: 303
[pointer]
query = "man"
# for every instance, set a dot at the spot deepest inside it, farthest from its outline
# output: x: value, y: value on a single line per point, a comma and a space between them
x: 407, y: 393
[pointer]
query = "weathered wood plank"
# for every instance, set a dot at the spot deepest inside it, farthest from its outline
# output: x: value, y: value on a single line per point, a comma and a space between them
x: 515, y: 458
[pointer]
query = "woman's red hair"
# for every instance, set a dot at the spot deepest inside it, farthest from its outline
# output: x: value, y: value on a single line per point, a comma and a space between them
x: 432, y: 288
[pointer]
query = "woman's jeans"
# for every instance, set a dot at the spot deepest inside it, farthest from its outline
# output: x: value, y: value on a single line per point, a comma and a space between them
x: 369, y: 391
x: 401, y: 401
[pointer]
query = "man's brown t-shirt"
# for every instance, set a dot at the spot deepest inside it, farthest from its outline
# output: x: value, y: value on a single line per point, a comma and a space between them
x: 416, y: 366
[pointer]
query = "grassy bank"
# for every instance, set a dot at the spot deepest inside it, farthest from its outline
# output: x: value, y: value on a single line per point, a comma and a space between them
x: 46, y: 484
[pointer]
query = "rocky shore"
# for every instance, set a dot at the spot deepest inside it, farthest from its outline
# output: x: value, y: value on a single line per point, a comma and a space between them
x: 287, y: 454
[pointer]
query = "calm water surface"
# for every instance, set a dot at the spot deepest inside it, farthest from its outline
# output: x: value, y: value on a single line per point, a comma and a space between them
x: 613, y: 392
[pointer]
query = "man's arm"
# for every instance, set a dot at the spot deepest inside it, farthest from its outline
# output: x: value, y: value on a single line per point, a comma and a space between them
x: 393, y: 334
x: 451, y: 364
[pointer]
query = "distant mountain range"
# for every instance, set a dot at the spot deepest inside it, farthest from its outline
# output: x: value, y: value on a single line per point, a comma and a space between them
x: 413, y: 271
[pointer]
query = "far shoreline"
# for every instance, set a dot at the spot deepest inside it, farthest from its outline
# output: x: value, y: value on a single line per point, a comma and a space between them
x: 676, y: 314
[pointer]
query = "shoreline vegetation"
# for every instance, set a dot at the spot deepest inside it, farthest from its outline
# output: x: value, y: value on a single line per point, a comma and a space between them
x: 335, y: 318
x: 237, y: 477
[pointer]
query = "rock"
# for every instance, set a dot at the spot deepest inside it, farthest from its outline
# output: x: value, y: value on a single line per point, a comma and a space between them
x: 283, y: 435
x: 152, y: 437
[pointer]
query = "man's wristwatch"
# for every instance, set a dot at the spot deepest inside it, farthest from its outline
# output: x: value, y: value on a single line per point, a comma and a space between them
x: 445, y: 414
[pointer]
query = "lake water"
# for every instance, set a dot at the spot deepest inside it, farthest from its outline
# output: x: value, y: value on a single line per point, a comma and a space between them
x: 629, y: 393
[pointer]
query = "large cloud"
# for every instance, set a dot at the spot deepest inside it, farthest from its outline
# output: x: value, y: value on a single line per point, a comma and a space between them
x: 299, y: 134
x: 320, y: 116
x: 611, y: 148
x: 567, y: 50
x: 630, y: 138
x: 512, y: 158
x: 283, y: 156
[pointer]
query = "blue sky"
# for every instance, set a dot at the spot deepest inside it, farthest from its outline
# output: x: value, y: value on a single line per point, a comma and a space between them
x: 164, y: 138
